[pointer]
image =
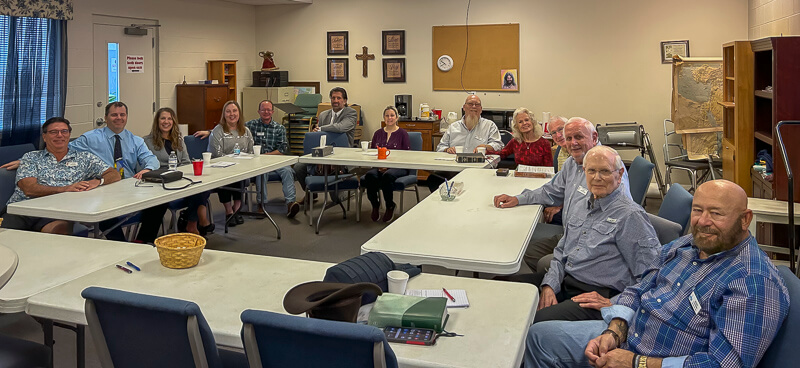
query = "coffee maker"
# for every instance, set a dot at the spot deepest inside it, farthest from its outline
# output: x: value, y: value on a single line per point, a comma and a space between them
x: 403, y: 105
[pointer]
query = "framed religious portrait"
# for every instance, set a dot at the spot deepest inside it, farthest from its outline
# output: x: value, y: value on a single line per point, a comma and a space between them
x: 671, y: 48
x: 394, y: 70
x: 338, y: 70
x: 337, y: 43
x: 393, y: 42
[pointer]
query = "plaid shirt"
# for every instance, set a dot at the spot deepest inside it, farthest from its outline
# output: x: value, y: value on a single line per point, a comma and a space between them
x: 270, y: 136
x: 741, y: 302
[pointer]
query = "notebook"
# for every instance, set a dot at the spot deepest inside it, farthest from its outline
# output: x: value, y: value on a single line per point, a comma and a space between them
x: 459, y: 294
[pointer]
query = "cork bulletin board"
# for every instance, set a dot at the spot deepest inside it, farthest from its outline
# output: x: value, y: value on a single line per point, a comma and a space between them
x: 492, y: 49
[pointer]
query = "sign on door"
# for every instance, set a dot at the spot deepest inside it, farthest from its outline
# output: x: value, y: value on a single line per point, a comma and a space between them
x: 134, y: 63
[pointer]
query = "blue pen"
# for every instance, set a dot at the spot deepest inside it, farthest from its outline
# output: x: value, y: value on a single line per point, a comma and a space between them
x: 135, y: 267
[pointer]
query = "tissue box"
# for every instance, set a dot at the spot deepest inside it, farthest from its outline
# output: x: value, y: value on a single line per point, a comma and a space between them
x: 322, y: 151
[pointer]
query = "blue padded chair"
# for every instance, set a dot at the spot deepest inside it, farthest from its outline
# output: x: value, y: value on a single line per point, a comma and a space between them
x: 404, y: 182
x: 677, y: 206
x: 316, y: 183
x: 640, y: 175
x: 508, y: 162
x: 15, y: 152
x: 555, y: 158
x: 783, y: 349
x: 666, y: 230
x: 138, y: 330
x: 195, y: 146
x: 278, y: 340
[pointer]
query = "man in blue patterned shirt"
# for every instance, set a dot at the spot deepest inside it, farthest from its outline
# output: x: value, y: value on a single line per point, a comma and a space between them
x: 608, y: 244
x: 271, y: 136
x: 715, y: 300
x: 55, y: 169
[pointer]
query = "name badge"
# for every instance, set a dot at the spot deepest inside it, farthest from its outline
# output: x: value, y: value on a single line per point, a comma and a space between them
x: 611, y: 220
x: 583, y: 190
x: 694, y: 302
x: 72, y: 164
x: 260, y: 134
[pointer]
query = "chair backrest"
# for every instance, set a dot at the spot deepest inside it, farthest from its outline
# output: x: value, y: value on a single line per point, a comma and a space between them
x: 640, y: 175
x: 308, y: 102
x: 415, y: 140
x: 15, y: 152
x: 784, y: 347
x: 195, y: 146
x: 7, y: 185
x: 278, y: 340
x: 506, y: 137
x: 311, y: 140
x: 677, y: 206
x: 666, y: 230
x: 137, y: 330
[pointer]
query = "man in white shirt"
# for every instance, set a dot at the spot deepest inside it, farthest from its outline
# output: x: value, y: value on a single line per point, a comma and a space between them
x: 471, y: 132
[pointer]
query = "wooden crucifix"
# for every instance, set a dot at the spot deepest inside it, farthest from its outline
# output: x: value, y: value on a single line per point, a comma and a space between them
x: 365, y: 57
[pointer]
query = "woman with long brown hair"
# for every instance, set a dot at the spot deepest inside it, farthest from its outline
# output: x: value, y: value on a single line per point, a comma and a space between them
x: 165, y: 138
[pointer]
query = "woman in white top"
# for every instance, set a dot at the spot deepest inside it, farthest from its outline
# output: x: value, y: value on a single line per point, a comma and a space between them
x: 229, y: 134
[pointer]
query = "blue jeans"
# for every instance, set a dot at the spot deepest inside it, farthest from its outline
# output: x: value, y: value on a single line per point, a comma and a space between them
x: 287, y: 180
x: 560, y: 343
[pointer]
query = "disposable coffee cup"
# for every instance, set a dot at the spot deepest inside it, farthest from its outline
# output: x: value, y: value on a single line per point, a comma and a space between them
x: 397, y: 281
x: 257, y: 150
x: 459, y: 149
x: 207, y: 158
x: 482, y: 150
x: 364, y: 145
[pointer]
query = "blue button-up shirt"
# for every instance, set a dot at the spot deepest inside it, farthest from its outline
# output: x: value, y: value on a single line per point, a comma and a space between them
x: 567, y: 188
x: 75, y: 166
x: 607, y: 242
x: 135, y: 154
x: 485, y: 132
x: 740, y: 302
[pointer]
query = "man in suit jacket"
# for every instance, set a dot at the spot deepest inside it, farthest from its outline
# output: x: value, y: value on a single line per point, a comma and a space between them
x: 339, y: 119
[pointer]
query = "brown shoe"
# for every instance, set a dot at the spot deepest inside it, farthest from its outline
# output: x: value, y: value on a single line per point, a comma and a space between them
x: 388, y: 215
x: 292, y: 209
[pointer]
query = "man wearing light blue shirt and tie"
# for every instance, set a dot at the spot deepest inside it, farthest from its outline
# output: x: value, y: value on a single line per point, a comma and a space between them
x: 127, y: 153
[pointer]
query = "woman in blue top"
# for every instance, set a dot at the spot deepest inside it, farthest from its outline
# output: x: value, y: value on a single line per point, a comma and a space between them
x: 164, y: 138
x: 392, y: 137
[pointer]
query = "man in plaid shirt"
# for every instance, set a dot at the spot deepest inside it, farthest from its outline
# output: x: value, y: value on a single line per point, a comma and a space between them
x: 715, y: 300
x: 272, y: 138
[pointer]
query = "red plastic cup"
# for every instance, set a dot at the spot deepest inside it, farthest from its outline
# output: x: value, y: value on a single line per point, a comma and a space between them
x: 197, y: 165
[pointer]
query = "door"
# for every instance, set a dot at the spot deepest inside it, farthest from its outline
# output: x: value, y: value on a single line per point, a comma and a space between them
x: 125, y: 69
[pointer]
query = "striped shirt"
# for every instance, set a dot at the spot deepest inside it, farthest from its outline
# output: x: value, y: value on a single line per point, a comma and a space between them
x: 720, y: 311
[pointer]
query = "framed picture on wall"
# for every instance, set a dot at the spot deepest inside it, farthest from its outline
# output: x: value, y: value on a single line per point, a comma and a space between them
x: 338, y: 70
x: 394, y: 42
x: 671, y: 48
x: 337, y: 43
x: 394, y: 70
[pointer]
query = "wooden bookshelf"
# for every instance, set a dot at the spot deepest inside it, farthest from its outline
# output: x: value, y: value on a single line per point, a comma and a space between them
x: 737, y: 118
x: 225, y: 72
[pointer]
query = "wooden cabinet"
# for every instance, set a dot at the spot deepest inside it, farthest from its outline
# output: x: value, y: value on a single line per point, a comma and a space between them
x: 225, y: 72
x: 737, y: 118
x: 776, y: 84
x: 200, y: 105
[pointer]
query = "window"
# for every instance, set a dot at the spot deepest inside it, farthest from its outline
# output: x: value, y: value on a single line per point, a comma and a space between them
x: 31, y: 77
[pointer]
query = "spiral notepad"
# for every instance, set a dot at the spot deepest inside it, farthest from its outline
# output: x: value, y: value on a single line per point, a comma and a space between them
x: 459, y: 294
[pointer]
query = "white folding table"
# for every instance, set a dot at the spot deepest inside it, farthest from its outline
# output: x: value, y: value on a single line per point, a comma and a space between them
x: 224, y: 284
x: 398, y: 159
x: 469, y: 233
x: 124, y: 197
x: 8, y: 264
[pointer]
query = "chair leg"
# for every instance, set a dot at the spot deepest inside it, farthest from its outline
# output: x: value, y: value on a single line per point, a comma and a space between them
x: 416, y: 190
x: 402, y: 192
x: 359, y: 201
x: 311, y: 212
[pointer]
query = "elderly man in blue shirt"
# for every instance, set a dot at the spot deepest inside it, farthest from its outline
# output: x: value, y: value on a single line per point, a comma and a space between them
x: 714, y: 299
x: 608, y: 244
x: 55, y: 169
x: 567, y: 188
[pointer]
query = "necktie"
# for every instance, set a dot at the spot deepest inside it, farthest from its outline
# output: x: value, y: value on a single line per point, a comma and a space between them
x: 117, y: 148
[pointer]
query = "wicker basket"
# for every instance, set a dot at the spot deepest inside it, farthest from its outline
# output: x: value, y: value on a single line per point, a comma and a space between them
x: 181, y: 250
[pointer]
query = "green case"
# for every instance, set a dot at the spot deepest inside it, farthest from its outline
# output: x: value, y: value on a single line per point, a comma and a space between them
x: 394, y: 310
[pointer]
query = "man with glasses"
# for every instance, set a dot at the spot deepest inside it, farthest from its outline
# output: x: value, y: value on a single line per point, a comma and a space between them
x: 608, y: 244
x: 55, y: 169
x: 470, y: 133
x: 271, y: 136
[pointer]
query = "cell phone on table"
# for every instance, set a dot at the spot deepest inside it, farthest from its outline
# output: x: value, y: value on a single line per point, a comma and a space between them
x: 408, y: 335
